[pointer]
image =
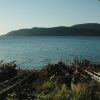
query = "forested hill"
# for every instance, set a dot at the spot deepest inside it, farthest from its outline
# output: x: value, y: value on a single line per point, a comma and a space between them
x: 89, y: 29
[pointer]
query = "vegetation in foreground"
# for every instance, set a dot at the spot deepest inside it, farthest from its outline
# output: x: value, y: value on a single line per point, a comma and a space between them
x: 58, y: 82
x: 7, y: 70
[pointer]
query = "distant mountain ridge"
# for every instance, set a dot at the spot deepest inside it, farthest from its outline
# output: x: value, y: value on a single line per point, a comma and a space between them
x: 88, y: 29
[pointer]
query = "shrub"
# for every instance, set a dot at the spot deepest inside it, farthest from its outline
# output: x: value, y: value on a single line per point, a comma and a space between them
x: 11, y: 96
x: 48, y: 85
x: 83, y: 91
x: 7, y: 71
x: 59, y: 94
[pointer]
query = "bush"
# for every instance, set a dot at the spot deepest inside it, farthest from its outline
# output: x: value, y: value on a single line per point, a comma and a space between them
x: 59, y: 94
x: 48, y: 85
x: 83, y: 91
x: 11, y: 96
x: 7, y: 71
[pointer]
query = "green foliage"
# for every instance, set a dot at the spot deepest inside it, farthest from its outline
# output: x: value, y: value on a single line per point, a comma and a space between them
x: 62, y: 94
x: 7, y: 66
x: 47, y: 85
x: 59, y: 94
x: 11, y: 96
x: 7, y: 70
x: 83, y: 92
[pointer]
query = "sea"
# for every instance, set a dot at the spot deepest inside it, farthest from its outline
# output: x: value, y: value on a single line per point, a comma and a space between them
x: 34, y: 52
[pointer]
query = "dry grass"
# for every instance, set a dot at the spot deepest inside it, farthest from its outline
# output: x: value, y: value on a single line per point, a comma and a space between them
x: 80, y: 88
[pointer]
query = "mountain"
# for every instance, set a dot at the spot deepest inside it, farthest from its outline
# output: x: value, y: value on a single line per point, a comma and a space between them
x: 94, y: 26
x: 89, y: 29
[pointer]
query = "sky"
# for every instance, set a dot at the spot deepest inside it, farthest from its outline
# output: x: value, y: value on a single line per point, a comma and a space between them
x: 18, y: 14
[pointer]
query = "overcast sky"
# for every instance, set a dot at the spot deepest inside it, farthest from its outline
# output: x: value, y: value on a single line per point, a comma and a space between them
x: 17, y: 14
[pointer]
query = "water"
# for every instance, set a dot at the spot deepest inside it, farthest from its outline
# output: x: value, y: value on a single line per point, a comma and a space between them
x: 37, y: 51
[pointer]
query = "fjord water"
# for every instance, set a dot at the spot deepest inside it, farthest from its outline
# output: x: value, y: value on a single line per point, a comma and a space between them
x: 37, y: 51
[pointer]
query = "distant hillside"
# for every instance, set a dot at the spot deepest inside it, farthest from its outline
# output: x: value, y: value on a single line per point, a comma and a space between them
x: 90, y: 29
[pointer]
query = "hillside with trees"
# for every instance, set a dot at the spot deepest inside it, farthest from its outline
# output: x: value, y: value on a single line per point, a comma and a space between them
x: 89, y: 29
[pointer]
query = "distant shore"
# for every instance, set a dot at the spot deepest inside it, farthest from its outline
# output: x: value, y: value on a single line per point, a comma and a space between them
x: 88, y: 29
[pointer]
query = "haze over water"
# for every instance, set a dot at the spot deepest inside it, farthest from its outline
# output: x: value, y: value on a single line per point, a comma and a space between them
x: 37, y: 51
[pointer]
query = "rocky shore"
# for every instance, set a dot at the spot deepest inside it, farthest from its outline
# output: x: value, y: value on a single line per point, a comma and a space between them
x: 57, y: 82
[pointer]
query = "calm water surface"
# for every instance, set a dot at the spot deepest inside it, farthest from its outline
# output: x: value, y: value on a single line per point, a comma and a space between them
x: 37, y: 51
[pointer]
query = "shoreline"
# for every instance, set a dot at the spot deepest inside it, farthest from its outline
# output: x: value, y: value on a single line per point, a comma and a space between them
x: 70, y: 81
